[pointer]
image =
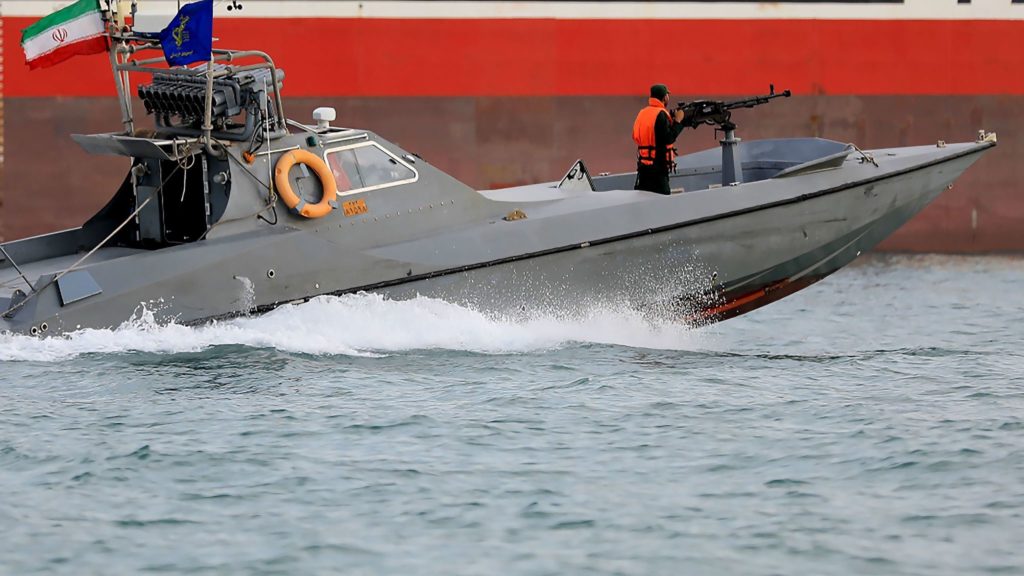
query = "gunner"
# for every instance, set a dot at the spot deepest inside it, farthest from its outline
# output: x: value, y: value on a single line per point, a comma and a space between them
x: 655, y: 133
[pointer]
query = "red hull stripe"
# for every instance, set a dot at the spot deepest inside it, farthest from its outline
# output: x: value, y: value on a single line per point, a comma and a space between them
x: 458, y: 57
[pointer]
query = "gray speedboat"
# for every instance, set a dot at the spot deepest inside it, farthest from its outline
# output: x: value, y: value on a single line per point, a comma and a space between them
x: 202, y: 227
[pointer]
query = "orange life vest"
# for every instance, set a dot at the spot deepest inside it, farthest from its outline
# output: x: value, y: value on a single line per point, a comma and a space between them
x: 643, y: 135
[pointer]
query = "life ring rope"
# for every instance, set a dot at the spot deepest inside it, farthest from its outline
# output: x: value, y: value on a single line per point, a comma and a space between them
x: 296, y: 204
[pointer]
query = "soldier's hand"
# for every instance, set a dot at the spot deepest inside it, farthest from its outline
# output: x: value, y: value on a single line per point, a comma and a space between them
x: 677, y: 114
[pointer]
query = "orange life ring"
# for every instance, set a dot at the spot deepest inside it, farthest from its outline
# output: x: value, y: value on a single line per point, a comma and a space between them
x: 291, y: 199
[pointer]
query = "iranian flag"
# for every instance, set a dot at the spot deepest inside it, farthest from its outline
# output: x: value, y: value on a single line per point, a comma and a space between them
x: 70, y: 31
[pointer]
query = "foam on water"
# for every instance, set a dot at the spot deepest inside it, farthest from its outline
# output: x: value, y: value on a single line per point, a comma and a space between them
x: 368, y: 325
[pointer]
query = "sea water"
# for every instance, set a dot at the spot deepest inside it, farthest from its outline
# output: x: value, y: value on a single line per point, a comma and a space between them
x: 871, y: 424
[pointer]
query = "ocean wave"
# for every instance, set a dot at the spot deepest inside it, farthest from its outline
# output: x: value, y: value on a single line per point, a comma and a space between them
x: 369, y: 325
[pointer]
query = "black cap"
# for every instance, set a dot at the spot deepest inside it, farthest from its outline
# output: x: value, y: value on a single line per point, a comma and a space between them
x: 659, y: 91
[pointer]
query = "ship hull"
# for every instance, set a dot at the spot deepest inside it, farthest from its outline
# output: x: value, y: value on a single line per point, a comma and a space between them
x: 497, y: 142
x: 501, y: 94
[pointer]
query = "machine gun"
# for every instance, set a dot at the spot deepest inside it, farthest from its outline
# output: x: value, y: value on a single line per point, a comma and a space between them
x: 719, y: 113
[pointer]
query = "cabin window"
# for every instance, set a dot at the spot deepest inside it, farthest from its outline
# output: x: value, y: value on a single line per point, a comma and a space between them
x: 346, y: 172
x: 367, y: 166
x: 377, y: 167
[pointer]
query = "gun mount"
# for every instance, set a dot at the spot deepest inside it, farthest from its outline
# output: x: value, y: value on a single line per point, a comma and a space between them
x: 718, y: 113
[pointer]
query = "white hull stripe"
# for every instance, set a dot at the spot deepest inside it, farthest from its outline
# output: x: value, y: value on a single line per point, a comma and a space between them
x: 908, y: 10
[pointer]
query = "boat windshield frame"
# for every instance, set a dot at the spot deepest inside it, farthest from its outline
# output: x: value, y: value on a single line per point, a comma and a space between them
x: 394, y: 157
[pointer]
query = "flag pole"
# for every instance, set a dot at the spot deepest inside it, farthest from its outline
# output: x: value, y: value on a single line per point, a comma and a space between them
x: 111, y: 24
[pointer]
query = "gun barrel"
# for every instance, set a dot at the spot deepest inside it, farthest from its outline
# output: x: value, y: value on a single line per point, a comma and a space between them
x: 756, y: 100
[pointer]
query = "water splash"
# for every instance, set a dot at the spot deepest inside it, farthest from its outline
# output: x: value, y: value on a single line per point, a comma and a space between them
x: 370, y: 325
x: 247, y: 296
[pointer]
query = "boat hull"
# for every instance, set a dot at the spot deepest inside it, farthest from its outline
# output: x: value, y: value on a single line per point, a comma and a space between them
x: 706, y: 271
x: 698, y: 256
